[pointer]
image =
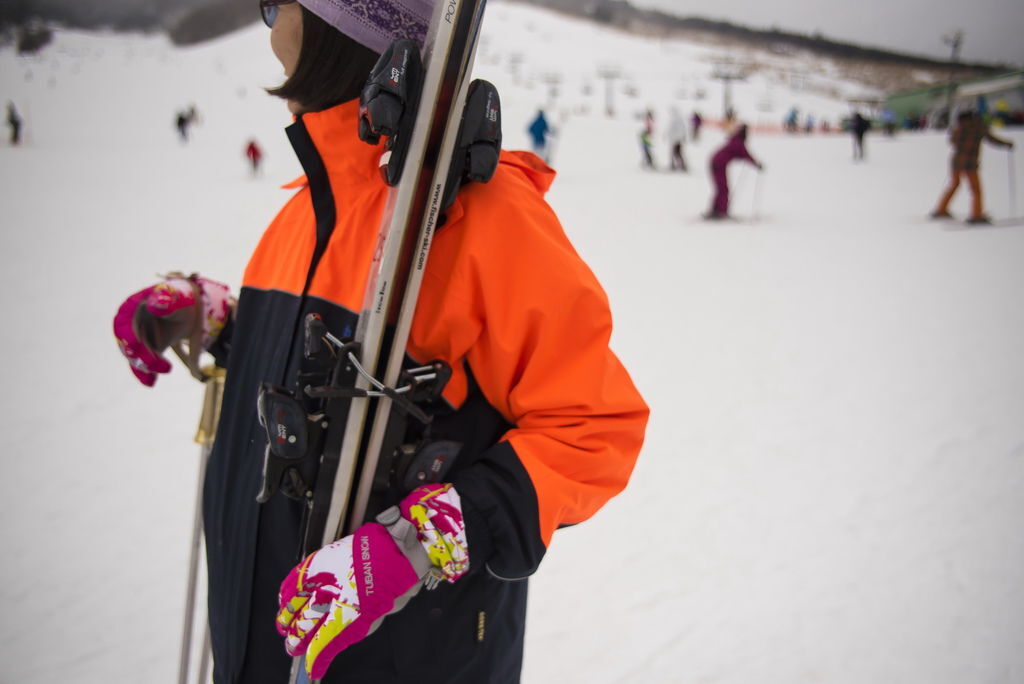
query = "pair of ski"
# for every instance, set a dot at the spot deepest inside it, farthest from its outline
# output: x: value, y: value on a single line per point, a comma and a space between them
x: 1013, y: 222
x: 441, y: 131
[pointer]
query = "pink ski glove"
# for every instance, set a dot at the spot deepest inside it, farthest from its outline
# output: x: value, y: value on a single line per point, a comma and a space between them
x: 165, y: 314
x: 340, y: 594
x: 436, y: 511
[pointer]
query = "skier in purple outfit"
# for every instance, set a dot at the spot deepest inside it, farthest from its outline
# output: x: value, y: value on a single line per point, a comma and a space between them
x: 735, y: 148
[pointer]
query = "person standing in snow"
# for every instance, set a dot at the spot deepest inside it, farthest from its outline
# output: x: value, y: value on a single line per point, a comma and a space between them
x: 696, y: 121
x: 181, y: 122
x: 647, y: 160
x: 14, y: 122
x: 889, y: 121
x: 184, y: 120
x: 646, y: 138
x: 255, y: 155
x: 547, y: 422
x: 539, y: 130
x: 792, y: 120
x: 859, y: 126
x: 676, y: 138
x: 734, y: 148
x: 966, y: 139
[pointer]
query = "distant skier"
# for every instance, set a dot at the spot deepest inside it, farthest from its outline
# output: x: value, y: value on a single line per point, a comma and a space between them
x: 859, y: 126
x: 539, y: 423
x: 181, y: 123
x: 889, y: 121
x: 255, y: 155
x: 696, y: 121
x: 539, y: 131
x: 649, y: 122
x: 14, y: 121
x: 734, y: 148
x: 676, y: 138
x: 792, y: 120
x: 647, y: 160
x: 184, y: 121
x: 966, y: 140
x: 1002, y: 112
x: 981, y: 106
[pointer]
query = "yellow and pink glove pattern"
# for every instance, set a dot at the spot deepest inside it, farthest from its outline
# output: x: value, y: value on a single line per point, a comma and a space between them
x: 340, y: 594
x: 436, y: 511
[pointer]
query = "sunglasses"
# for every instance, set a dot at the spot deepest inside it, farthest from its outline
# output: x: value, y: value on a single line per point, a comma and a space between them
x: 268, y: 8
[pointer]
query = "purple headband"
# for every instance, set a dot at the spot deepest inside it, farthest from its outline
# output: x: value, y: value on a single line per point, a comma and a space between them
x: 375, y: 23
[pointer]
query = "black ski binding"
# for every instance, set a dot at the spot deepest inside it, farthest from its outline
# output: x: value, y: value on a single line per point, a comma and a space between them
x: 294, y: 444
x: 388, y: 103
x: 426, y: 463
x: 478, y: 146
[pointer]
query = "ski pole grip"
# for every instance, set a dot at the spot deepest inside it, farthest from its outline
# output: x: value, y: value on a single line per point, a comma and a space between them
x: 406, y: 538
x: 207, y: 430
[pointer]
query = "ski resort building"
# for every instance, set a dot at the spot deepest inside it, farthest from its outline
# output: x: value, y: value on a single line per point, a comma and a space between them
x: 1000, y: 97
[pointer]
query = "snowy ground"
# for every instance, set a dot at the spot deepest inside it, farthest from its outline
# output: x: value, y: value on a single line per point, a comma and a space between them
x: 833, y: 480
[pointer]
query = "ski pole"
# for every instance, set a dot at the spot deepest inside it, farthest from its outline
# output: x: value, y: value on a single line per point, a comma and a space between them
x: 204, y: 437
x: 756, y: 208
x: 1013, y: 183
x: 551, y: 147
x: 734, y: 192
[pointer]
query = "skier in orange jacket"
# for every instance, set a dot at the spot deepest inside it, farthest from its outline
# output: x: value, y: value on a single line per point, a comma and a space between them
x: 549, y: 421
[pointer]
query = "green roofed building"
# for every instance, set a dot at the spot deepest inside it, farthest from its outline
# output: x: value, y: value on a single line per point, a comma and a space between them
x: 989, y: 94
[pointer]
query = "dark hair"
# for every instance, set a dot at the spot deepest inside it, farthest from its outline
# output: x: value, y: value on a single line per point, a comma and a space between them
x: 332, y: 67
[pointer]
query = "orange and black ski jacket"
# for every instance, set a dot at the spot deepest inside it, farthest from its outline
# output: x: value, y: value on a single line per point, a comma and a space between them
x: 550, y: 422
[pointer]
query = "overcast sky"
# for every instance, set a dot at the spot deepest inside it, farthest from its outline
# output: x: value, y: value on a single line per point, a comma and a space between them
x: 994, y: 29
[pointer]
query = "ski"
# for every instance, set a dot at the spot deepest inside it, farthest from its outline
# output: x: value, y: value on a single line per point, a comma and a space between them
x: 1015, y: 222
x: 434, y: 141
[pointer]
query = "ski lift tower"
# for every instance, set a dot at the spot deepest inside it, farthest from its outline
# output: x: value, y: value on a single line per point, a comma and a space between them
x: 609, y: 73
x: 727, y: 72
x: 954, y: 40
x: 552, y: 80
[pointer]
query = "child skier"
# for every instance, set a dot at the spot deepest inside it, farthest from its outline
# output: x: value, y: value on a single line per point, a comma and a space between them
x: 646, y: 134
x: 696, y: 121
x: 966, y: 140
x: 14, y: 122
x: 647, y: 158
x: 255, y: 155
x: 539, y: 130
x: 859, y: 126
x: 548, y: 420
x: 734, y: 148
x: 676, y: 138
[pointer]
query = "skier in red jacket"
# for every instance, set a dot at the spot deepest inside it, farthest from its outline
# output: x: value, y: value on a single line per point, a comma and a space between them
x: 255, y: 155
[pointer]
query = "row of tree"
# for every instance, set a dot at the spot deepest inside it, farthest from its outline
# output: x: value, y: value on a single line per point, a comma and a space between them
x: 624, y: 15
x: 185, y: 21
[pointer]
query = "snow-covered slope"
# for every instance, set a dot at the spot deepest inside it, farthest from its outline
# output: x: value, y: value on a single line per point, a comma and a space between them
x: 831, y: 487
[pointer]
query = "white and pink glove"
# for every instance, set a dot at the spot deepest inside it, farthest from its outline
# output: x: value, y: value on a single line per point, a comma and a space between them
x: 164, y: 315
x: 340, y: 594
